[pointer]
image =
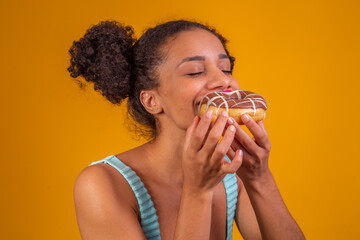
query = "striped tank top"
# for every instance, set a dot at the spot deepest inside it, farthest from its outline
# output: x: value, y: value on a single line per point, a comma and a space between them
x: 149, y: 220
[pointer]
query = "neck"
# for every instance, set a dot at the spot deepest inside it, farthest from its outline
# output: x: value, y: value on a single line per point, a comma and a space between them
x: 165, y: 152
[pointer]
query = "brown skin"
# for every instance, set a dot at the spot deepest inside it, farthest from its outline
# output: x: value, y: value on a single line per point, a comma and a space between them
x: 181, y: 168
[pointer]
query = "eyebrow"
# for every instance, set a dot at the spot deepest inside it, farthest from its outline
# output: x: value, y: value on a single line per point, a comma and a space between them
x: 200, y: 58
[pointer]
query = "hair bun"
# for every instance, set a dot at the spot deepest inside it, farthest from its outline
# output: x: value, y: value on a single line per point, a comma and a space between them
x: 104, y: 56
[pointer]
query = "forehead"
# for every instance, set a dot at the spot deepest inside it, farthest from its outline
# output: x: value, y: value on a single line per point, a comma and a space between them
x: 191, y: 43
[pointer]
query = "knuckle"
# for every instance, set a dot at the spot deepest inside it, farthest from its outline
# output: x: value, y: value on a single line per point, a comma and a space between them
x: 202, y: 165
x: 213, y: 137
x: 197, y: 136
x: 229, y: 169
x: 228, y: 137
x: 268, y: 147
x: 221, y: 151
x: 262, y: 135
x: 248, y: 141
x: 251, y: 165
x: 258, y: 155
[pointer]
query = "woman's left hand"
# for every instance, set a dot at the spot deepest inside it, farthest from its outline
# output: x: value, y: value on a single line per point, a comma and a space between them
x: 273, y: 218
x: 256, y: 150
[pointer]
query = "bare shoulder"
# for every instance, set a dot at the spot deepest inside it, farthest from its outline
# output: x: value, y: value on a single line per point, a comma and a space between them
x: 105, y: 205
x: 100, y: 181
x: 100, y: 177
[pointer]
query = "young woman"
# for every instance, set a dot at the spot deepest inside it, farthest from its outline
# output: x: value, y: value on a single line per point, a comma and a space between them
x: 181, y: 184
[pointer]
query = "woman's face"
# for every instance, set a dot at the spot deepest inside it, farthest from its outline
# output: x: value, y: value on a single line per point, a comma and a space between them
x: 195, y: 64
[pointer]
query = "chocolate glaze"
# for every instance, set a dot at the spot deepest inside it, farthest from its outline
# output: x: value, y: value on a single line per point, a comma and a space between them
x: 235, y: 99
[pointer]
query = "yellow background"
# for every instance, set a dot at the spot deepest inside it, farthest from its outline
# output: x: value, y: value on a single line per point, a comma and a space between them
x: 303, y: 56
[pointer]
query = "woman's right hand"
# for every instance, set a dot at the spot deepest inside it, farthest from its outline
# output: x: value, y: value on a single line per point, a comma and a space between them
x: 204, y: 165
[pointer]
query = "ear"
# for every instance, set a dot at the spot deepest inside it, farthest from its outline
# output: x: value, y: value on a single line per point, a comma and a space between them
x: 149, y: 99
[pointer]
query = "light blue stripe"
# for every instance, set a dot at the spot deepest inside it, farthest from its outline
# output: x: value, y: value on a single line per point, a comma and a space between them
x: 149, y: 219
x: 231, y: 189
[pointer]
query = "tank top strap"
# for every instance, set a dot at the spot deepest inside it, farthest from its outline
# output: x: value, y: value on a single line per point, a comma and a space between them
x: 149, y: 219
x: 231, y: 189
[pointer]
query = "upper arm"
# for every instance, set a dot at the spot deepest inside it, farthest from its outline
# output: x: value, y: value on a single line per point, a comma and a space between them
x: 245, y: 217
x: 104, y: 208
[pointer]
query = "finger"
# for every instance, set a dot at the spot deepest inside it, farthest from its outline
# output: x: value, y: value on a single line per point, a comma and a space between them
x: 235, y: 163
x: 235, y: 145
x: 201, y: 130
x: 229, y: 122
x: 268, y: 144
x: 223, y: 147
x: 262, y: 125
x: 190, y: 131
x: 248, y: 160
x: 256, y: 130
x: 216, y: 133
x: 231, y: 152
x: 244, y: 140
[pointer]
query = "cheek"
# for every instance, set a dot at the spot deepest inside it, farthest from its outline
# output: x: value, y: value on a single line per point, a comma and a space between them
x: 184, y: 103
x: 182, y: 106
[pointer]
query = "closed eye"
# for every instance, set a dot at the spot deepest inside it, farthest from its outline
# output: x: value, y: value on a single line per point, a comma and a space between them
x: 194, y: 74
x: 198, y: 73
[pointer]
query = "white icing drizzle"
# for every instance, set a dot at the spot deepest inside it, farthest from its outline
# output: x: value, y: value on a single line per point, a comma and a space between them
x: 253, y: 98
x: 210, y: 102
x: 252, y: 102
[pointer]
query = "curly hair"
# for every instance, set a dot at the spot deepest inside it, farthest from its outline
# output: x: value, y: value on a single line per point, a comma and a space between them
x: 120, y: 66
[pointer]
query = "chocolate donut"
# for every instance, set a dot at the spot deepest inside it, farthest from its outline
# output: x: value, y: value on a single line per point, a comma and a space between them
x: 236, y: 103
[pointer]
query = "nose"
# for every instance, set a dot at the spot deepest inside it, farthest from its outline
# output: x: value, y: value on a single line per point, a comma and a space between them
x: 219, y: 80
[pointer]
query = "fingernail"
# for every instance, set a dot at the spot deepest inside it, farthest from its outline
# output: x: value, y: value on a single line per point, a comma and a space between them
x: 230, y: 120
x: 245, y: 118
x: 209, y: 113
x: 232, y: 128
x: 224, y: 113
